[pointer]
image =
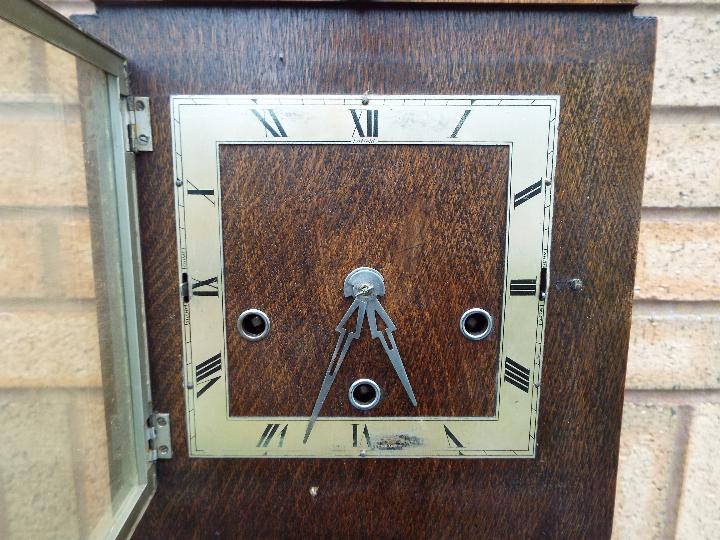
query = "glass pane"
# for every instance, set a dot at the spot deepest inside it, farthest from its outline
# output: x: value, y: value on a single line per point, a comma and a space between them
x: 67, y: 459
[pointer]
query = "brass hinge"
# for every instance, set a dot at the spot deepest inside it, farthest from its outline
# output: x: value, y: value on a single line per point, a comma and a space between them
x: 136, y: 115
x: 158, y: 436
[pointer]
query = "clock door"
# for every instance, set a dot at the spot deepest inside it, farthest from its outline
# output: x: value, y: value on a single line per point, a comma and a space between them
x: 77, y: 422
x: 388, y: 258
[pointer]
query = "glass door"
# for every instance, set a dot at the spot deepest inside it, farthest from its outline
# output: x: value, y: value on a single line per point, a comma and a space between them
x: 74, y: 398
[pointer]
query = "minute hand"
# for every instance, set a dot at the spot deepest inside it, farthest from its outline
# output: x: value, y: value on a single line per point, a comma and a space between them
x: 344, y: 341
x: 374, y: 306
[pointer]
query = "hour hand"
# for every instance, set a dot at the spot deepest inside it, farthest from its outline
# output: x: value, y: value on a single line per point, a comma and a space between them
x: 343, y: 344
x: 374, y: 307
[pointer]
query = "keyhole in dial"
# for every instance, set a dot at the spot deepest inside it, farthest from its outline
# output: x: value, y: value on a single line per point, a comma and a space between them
x: 364, y: 394
x: 253, y: 324
x: 476, y: 324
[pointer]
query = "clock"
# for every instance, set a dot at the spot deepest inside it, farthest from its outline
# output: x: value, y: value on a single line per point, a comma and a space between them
x: 363, y: 276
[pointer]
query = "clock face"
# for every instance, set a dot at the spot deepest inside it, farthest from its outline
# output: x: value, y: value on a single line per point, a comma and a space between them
x: 363, y: 277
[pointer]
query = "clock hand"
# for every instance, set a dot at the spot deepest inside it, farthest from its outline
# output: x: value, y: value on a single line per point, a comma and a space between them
x: 359, y: 305
x: 374, y: 306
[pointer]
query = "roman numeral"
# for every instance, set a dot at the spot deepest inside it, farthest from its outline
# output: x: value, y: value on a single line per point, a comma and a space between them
x: 269, y: 433
x: 522, y: 287
x: 204, y: 192
x: 275, y: 130
x: 194, y: 190
x: 460, y: 124
x: 211, y: 284
x: 365, y: 434
x: 206, y: 369
x: 528, y: 193
x: 371, y: 122
x: 452, y: 439
x: 517, y: 375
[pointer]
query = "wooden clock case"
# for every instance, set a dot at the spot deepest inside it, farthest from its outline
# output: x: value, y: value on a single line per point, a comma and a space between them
x: 599, y: 60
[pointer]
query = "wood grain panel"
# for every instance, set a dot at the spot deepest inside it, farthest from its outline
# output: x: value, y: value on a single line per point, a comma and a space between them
x: 600, y: 62
x: 297, y: 219
x: 397, y: 2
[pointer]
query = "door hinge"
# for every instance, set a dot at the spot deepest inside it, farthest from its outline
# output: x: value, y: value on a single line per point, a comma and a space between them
x: 136, y: 116
x: 158, y: 436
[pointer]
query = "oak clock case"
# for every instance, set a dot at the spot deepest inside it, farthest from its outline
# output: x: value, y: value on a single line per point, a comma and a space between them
x: 295, y: 219
x: 265, y: 381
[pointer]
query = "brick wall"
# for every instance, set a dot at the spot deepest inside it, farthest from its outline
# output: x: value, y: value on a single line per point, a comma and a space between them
x: 54, y: 467
x: 669, y: 477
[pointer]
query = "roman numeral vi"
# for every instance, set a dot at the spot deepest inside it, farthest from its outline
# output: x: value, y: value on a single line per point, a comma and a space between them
x: 365, y: 434
x: 206, y: 369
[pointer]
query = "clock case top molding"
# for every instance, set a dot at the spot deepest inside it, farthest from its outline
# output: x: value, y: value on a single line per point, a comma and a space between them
x: 600, y: 62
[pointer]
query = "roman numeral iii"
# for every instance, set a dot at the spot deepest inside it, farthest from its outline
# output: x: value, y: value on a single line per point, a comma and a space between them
x: 371, y: 122
x: 517, y: 375
x: 528, y: 193
x: 269, y: 433
x: 205, y: 370
x: 522, y: 287
x: 276, y: 129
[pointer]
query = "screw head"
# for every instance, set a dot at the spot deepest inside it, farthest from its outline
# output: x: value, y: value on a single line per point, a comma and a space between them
x: 576, y: 284
x: 139, y: 105
x: 314, y: 491
x: 143, y: 139
x: 161, y: 421
x: 163, y: 449
x: 178, y: 182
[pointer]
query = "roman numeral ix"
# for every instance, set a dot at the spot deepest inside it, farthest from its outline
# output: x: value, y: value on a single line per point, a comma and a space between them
x: 365, y: 434
x: 371, y: 122
x: 206, y: 369
x: 528, y: 193
x: 275, y: 130
x: 517, y: 375
x: 269, y: 433
x: 522, y: 287
x: 207, y: 287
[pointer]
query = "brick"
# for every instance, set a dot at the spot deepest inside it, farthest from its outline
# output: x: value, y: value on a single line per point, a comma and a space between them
x: 42, y: 156
x: 678, y: 259
x: 20, y: 53
x: 51, y: 348
x: 699, y: 513
x: 645, y: 471
x: 61, y: 74
x: 46, y: 460
x: 75, y: 270
x: 681, y: 165
x: 21, y: 258
x: 674, y: 350
x: 687, y: 66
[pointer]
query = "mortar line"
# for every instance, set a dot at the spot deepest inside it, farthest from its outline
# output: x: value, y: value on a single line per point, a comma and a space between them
x: 677, y: 470
x: 671, y: 397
